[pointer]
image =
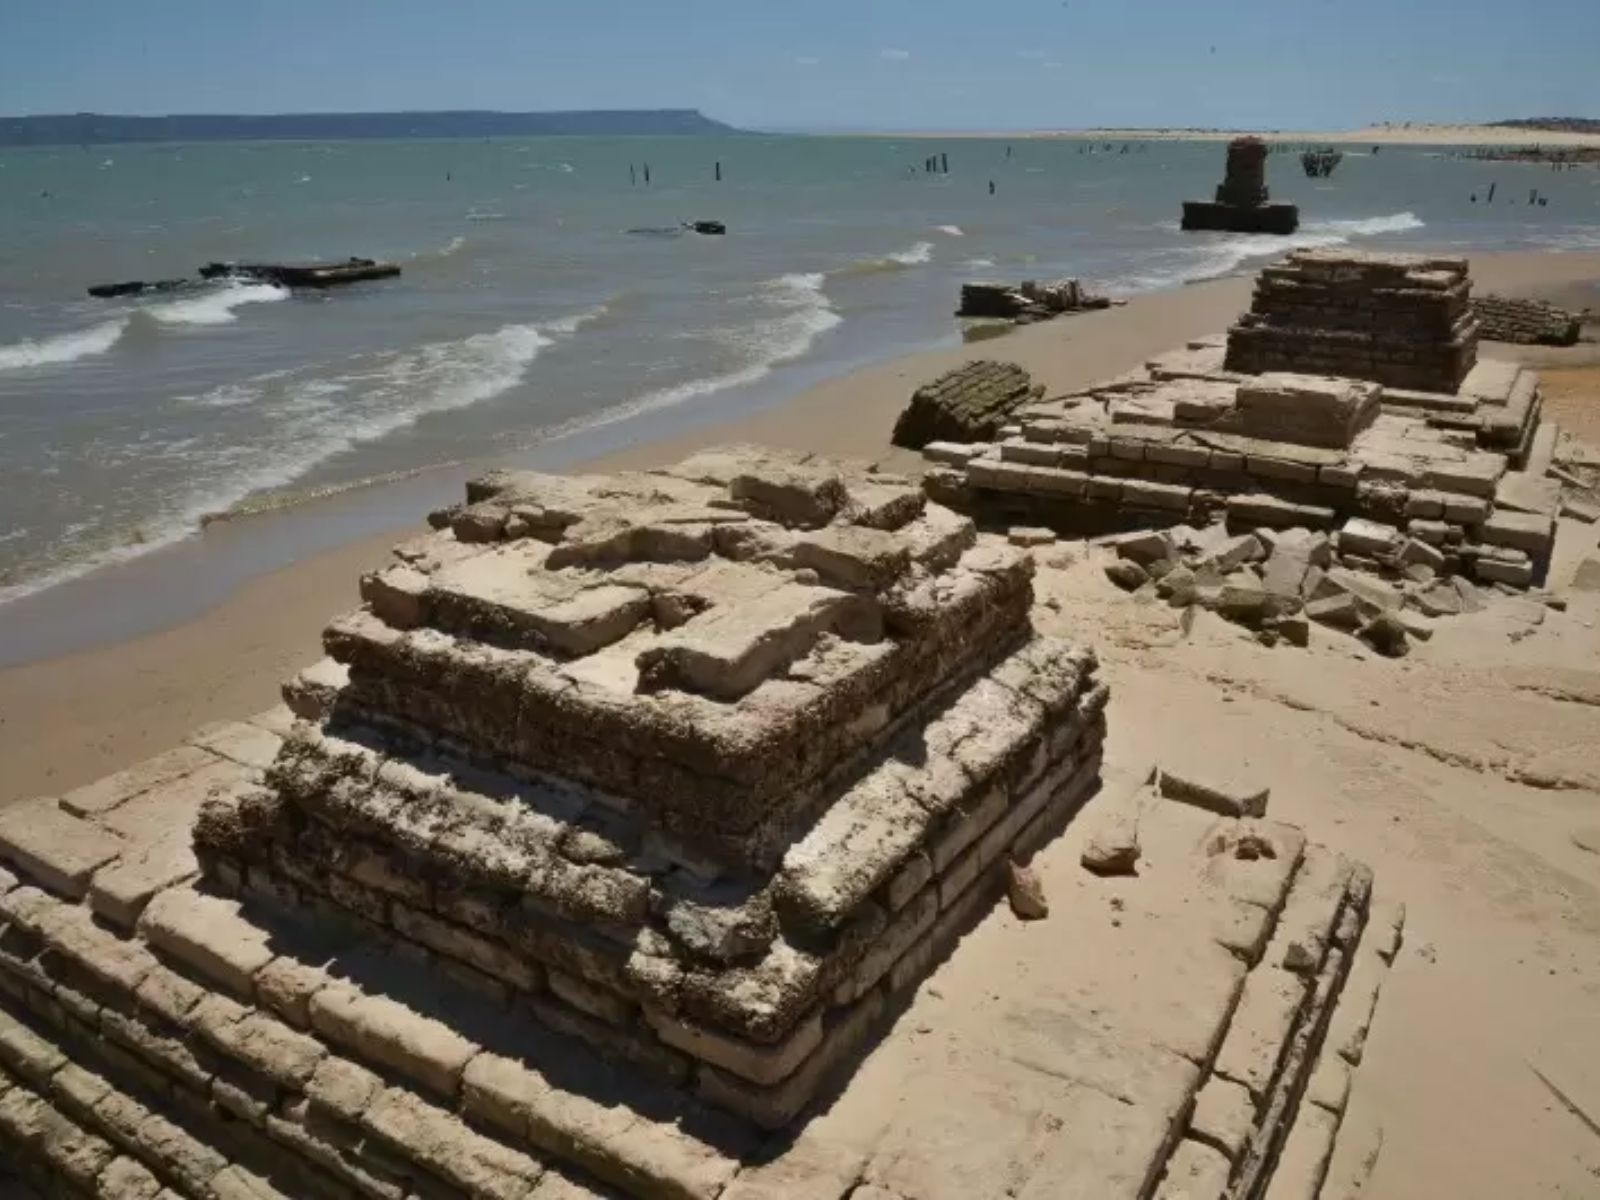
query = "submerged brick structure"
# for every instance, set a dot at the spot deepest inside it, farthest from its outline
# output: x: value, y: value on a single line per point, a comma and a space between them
x: 1402, y: 320
x: 1242, y: 203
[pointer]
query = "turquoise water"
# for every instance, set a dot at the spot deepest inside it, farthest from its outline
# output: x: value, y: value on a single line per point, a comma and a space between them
x: 528, y: 308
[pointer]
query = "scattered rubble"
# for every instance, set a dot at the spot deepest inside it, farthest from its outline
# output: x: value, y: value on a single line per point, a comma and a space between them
x: 1025, y: 893
x: 1028, y: 302
x: 1276, y: 581
x: 1415, y: 487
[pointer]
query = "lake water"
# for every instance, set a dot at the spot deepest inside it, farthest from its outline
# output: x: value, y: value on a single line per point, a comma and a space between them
x: 544, y: 292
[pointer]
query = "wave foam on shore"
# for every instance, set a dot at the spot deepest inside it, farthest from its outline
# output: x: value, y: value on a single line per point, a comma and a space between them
x: 215, y: 308
x: 803, y: 314
x: 63, y: 348
x: 1214, y: 256
x: 300, y: 419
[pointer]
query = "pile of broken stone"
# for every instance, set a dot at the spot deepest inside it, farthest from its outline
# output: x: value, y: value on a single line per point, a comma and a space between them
x: 1368, y: 579
x: 1027, y: 302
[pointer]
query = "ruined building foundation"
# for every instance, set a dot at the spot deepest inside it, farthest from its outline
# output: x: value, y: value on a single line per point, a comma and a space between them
x: 624, y: 817
x: 1450, y: 479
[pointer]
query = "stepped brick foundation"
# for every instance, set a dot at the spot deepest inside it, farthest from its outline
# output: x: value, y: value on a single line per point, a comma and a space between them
x: 1404, y: 321
x: 624, y: 816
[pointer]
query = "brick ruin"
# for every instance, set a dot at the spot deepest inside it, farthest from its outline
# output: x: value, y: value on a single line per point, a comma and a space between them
x: 1028, y: 302
x: 970, y: 403
x: 1525, y: 322
x: 623, y: 818
x: 1448, y: 480
x: 1405, y: 321
x: 1242, y: 203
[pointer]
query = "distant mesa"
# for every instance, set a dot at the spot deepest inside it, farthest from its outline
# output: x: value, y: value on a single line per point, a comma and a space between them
x: 85, y: 128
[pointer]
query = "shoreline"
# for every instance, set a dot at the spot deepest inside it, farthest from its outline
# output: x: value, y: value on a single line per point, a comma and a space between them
x: 1408, y: 134
x: 70, y: 716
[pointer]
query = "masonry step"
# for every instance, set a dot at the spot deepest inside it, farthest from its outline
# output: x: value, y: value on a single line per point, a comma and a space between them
x: 313, y: 1058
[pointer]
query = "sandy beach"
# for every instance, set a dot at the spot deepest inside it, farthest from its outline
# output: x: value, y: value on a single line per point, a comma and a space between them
x: 1465, y: 774
x: 69, y: 719
x: 1398, y: 134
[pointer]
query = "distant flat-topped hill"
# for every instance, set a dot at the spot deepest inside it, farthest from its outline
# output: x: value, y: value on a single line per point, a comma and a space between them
x: 95, y: 127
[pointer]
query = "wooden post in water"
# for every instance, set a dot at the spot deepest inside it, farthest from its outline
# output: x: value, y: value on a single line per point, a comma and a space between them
x: 719, y: 170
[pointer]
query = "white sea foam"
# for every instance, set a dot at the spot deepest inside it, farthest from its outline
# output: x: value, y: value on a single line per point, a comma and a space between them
x: 215, y: 308
x: 63, y: 348
x: 951, y: 230
x: 801, y: 314
x: 920, y: 253
x: 1214, y: 257
x: 306, y: 417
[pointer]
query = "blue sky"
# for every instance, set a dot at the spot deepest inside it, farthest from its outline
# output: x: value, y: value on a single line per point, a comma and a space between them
x: 931, y: 64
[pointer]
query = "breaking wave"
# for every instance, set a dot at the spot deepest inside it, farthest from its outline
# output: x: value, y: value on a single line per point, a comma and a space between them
x: 951, y: 230
x: 215, y: 308
x: 800, y: 312
x: 899, y: 260
x: 63, y: 348
x: 281, y: 425
x: 1211, y: 257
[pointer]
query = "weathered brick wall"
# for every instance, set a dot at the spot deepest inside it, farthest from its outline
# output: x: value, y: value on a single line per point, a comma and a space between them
x: 964, y: 405
x: 1403, y: 320
x: 1525, y: 322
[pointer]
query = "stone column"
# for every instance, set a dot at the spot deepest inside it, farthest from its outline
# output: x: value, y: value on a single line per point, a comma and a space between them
x: 1246, y: 181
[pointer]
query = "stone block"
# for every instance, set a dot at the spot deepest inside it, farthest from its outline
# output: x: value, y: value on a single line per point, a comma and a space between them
x: 55, y: 848
x: 119, y: 891
x: 242, y: 742
x: 1361, y: 536
x: 105, y: 794
x: 1143, y: 493
x: 386, y: 1032
x: 1531, y: 533
x: 1224, y: 1116
x: 1214, y: 788
x: 765, y: 1065
x: 1268, y: 1007
x: 1194, y: 1172
x: 208, y: 935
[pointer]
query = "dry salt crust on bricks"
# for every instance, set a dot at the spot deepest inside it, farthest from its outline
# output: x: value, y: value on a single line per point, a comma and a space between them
x: 627, y: 813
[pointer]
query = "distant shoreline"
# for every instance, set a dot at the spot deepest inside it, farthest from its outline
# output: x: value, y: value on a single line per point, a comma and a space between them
x: 1376, y: 135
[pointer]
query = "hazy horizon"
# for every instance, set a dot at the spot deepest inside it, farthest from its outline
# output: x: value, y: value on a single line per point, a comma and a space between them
x: 831, y: 67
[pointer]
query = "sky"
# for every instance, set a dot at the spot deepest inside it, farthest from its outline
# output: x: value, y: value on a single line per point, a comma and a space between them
x: 822, y: 64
